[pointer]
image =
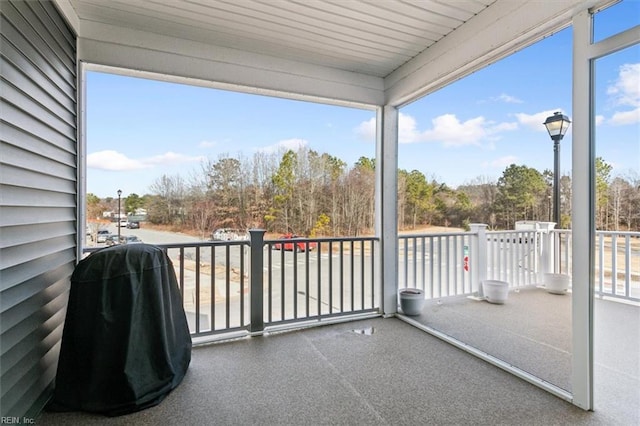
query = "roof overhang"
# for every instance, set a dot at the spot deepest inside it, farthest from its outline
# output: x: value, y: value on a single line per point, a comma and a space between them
x: 378, y: 53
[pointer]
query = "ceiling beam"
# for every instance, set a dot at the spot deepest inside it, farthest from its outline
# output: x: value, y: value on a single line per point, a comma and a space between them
x: 141, y: 51
x: 498, y: 31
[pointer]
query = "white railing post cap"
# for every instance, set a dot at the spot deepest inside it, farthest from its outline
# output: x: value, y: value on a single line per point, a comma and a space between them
x: 475, y: 227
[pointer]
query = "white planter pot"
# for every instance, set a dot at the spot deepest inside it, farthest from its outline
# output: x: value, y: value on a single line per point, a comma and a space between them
x: 557, y: 283
x: 411, y: 301
x: 495, y: 291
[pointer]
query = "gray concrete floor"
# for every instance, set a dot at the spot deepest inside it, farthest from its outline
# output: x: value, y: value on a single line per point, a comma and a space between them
x: 532, y: 331
x: 374, y: 372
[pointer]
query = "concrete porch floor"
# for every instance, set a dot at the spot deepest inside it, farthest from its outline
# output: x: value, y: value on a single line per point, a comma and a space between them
x: 375, y: 372
x: 532, y: 331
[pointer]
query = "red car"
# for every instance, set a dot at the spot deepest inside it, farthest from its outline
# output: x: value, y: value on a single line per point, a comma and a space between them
x: 297, y: 245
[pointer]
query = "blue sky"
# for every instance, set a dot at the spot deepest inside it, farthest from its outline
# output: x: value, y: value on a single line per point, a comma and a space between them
x: 138, y: 130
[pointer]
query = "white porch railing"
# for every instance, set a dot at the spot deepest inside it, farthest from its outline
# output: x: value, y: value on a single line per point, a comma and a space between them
x: 439, y: 264
x: 617, y: 273
x: 513, y: 256
x: 248, y: 286
x: 455, y: 264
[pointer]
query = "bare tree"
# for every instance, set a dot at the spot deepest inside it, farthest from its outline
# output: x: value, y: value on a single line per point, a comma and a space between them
x: 168, y: 202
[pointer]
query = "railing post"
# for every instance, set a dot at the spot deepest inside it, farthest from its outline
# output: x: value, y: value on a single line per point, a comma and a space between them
x: 478, y: 256
x: 256, y: 280
x: 547, y: 249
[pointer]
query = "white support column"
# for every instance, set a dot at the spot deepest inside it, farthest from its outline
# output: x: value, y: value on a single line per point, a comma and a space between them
x: 387, y: 204
x: 583, y: 216
x: 81, y: 170
x: 478, y: 256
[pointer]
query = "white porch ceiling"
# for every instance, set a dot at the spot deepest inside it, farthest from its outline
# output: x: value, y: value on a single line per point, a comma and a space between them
x: 368, y: 37
x: 360, y: 51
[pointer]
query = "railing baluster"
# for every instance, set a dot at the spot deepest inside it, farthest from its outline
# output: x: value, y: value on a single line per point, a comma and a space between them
x: 406, y: 262
x: 319, y: 284
x: 341, y: 276
x: 182, y: 285
x: 373, y: 274
x: 352, y: 277
x: 415, y: 261
x: 601, y: 263
x: 330, y: 277
x: 362, y: 281
x: 423, y: 258
x: 456, y: 270
x: 295, y: 279
x: 228, y: 287
x: 241, y: 248
x: 614, y: 264
x: 270, y: 281
x: 283, y: 293
x: 197, y: 298
x: 212, y: 321
x: 627, y: 265
x: 432, y: 262
x: 306, y: 276
x: 450, y: 269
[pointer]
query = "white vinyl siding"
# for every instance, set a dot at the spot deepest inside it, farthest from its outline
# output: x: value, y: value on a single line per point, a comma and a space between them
x: 38, y: 198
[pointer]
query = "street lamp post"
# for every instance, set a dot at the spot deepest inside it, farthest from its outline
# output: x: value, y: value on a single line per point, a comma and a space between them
x: 557, y: 126
x: 118, y: 222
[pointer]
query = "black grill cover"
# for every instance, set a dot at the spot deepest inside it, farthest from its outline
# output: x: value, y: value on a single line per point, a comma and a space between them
x: 126, y: 342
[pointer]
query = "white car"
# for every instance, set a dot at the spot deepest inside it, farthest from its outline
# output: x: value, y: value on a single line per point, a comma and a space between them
x: 102, y: 235
x: 123, y: 223
x: 229, y: 234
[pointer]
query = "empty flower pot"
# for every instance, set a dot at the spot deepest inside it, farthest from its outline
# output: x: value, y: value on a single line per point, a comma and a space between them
x: 557, y: 283
x: 411, y: 301
x: 495, y: 291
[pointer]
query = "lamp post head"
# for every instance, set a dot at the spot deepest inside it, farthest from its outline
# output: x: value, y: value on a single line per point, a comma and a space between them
x: 119, y: 192
x: 557, y: 125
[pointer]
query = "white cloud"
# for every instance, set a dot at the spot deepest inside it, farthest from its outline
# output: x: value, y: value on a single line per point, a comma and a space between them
x: 502, y: 127
x: 508, y: 99
x: 626, y: 89
x: 285, y: 144
x: 407, y: 129
x: 171, y: 158
x: 625, y: 92
x: 367, y: 130
x: 116, y: 161
x: 536, y: 121
x: 447, y: 129
x: 450, y: 131
x: 113, y: 160
x: 599, y: 119
x: 625, y: 117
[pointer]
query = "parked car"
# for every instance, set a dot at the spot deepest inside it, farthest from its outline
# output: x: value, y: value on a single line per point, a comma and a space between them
x: 295, y: 245
x: 229, y: 234
x: 133, y: 225
x: 129, y: 239
x: 123, y: 222
x: 101, y: 235
x: 111, y: 240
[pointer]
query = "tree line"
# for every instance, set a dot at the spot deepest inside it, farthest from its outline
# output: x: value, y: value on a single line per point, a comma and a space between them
x: 308, y: 193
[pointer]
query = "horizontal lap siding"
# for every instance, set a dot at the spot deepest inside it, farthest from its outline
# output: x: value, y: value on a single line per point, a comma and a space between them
x: 38, y: 198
